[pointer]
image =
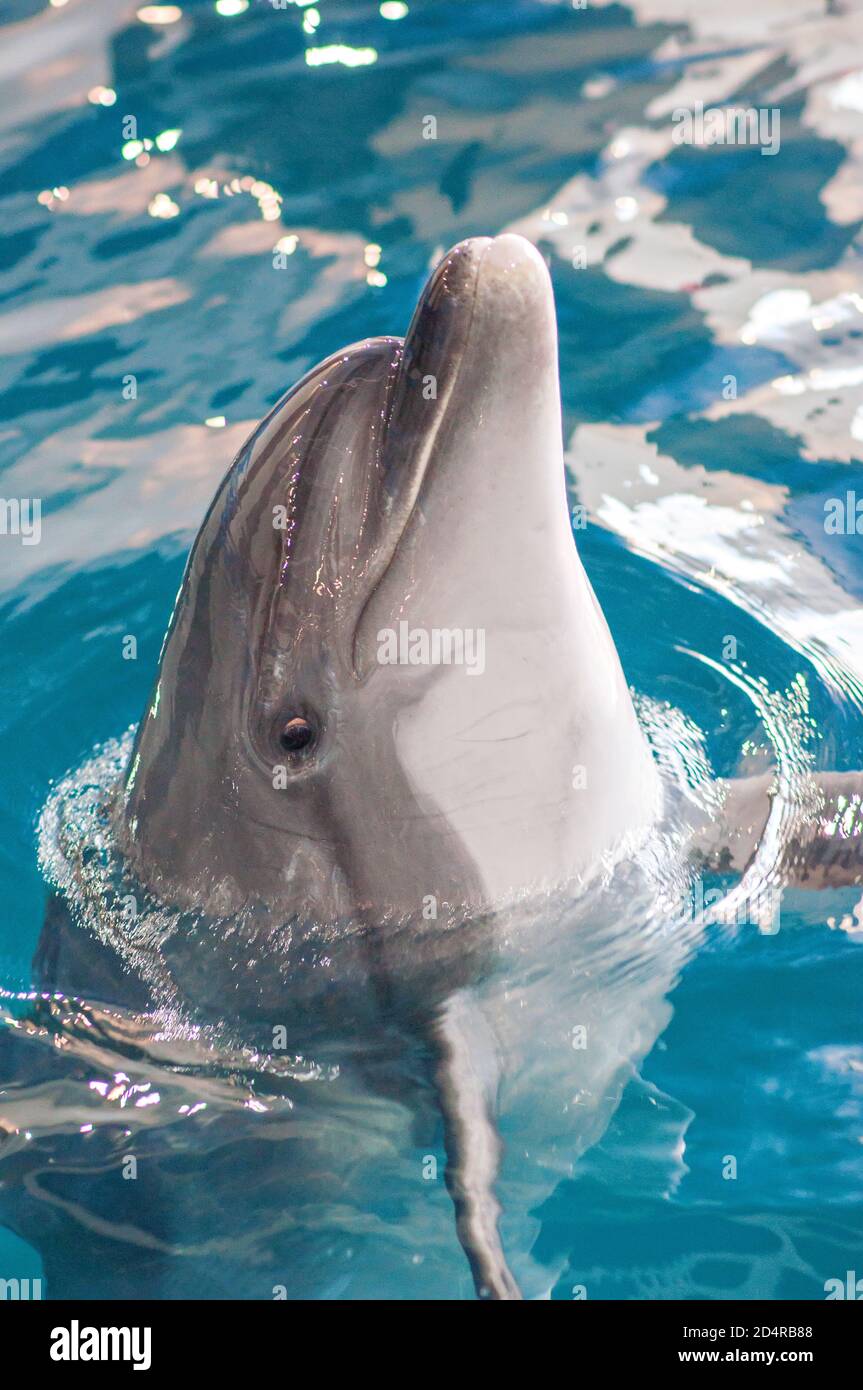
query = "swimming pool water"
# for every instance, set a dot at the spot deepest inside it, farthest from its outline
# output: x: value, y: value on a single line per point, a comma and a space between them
x: 711, y: 323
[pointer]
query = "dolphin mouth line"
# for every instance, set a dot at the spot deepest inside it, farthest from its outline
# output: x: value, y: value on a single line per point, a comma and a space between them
x: 385, y: 556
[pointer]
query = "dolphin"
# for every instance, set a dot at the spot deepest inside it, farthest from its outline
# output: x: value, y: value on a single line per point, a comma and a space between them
x: 389, y: 713
x: 388, y: 702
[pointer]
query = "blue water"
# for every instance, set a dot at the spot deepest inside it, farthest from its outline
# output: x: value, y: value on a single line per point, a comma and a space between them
x: 705, y: 509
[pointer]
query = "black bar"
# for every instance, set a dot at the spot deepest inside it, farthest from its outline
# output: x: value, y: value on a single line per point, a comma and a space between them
x: 208, y: 1337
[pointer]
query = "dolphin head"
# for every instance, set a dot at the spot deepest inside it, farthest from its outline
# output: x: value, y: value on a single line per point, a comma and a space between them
x: 387, y: 686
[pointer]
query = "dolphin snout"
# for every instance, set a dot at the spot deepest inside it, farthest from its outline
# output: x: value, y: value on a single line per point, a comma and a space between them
x: 507, y: 269
x: 489, y: 298
x: 513, y: 317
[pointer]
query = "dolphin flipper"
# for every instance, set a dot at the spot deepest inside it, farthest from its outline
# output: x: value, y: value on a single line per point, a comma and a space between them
x: 466, y: 1075
x: 819, y: 829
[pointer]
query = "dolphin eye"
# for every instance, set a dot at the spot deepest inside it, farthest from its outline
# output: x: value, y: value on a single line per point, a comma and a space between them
x: 296, y: 735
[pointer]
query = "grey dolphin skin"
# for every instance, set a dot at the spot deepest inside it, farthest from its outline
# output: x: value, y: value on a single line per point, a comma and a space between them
x: 388, y: 702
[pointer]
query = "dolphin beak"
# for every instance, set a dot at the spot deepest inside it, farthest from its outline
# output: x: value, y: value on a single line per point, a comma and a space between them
x: 484, y: 332
x: 513, y: 326
x: 488, y: 293
x: 472, y: 456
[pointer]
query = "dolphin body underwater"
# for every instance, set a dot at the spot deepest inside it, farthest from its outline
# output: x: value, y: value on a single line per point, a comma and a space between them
x: 344, y: 824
